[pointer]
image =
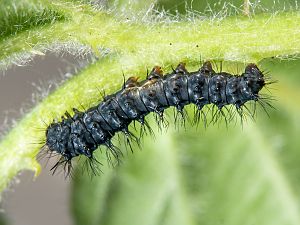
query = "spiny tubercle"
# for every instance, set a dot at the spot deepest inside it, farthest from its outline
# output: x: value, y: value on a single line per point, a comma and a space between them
x: 86, y: 131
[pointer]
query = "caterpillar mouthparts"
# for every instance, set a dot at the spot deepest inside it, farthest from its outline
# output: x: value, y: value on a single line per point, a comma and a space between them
x: 84, y: 132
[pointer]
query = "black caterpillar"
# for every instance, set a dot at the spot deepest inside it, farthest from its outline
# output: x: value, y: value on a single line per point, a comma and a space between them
x: 83, y: 133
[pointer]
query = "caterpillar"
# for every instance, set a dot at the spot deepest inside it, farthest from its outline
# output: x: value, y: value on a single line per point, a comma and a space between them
x: 84, y: 132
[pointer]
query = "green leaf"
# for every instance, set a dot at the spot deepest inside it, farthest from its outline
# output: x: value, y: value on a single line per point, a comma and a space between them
x: 232, y: 7
x: 16, y: 17
x: 140, y: 39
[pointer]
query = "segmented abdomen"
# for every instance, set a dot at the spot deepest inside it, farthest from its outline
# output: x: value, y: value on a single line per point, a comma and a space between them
x: 85, y: 131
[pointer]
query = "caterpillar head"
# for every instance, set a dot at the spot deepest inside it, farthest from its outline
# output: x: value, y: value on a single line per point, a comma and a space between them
x: 254, y: 78
x: 57, y: 139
